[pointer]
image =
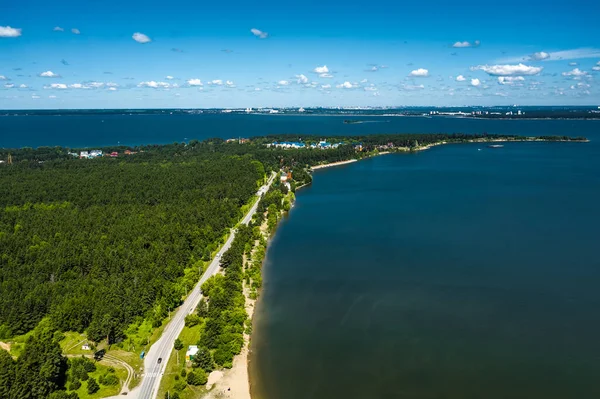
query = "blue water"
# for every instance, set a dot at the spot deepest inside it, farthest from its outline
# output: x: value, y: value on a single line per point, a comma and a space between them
x: 453, y: 273
x: 101, y: 130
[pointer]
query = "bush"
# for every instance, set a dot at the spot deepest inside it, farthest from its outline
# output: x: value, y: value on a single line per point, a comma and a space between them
x: 180, y: 385
x: 192, y: 320
x: 75, y: 385
x: 92, y: 386
x: 204, y: 360
x: 109, y: 380
x: 197, y: 377
x: 183, y: 373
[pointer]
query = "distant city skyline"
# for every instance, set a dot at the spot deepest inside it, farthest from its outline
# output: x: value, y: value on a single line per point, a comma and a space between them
x: 235, y: 55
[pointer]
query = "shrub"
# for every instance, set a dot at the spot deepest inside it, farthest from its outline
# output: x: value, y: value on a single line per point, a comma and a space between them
x: 75, y: 385
x: 191, y: 320
x: 109, y: 380
x: 92, y: 386
x: 197, y: 377
x: 183, y: 373
x: 180, y: 385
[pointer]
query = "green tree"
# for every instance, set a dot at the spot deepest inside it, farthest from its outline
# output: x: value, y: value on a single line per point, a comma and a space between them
x: 7, y: 373
x: 92, y: 386
x: 197, y: 377
x: 178, y: 345
x: 204, y: 360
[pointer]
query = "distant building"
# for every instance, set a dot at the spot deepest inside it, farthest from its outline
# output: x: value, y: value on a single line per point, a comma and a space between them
x: 287, y: 144
x: 84, y: 154
x: 85, y: 347
x: 114, y: 154
x: 95, y: 153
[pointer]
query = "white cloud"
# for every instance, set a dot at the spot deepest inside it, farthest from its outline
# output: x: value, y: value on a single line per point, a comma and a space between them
x: 141, y: 38
x: 35, y: 96
x: 95, y: 85
x: 572, y: 64
x: 49, y: 74
x: 364, y: 81
x: 58, y: 29
x: 112, y: 88
x: 510, y: 80
x: 154, y: 85
x: 75, y: 86
x: 194, y: 82
x: 596, y: 68
x: 169, y: 77
x: 7, y: 31
x: 230, y: 83
x: 413, y: 87
x: 75, y: 31
x: 283, y: 83
x: 22, y: 86
x: 508, y: 70
x: 539, y: 56
x: 572, y: 54
x: 257, y: 89
x: 111, y: 84
x: 322, y: 69
x: 216, y: 82
x: 346, y: 85
x: 327, y: 86
x: 598, y: 63
x: 460, y: 78
x: 419, y: 73
x: 302, y: 79
x: 325, y: 75
x: 51, y: 96
x: 370, y: 88
x: 475, y: 82
x: 9, y: 85
x: 466, y: 44
x: 575, y: 72
x: 259, y: 33
x: 2, y: 77
x: 58, y: 86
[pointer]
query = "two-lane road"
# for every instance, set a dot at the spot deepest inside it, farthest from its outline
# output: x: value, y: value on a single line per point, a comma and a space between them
x: 161, y: 349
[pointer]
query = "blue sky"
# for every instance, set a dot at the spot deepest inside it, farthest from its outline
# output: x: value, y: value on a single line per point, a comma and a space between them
x: 79, y: 54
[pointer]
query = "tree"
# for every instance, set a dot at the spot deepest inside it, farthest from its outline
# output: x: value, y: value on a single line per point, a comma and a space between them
x: 92, y: 386
x: 7, y: 373
x: 197, y: 377
x: 204, y: 360
x: 202, y: 309
x: 178, y: 345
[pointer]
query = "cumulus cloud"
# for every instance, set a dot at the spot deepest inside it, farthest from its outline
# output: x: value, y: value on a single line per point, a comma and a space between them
x: 419, y: 73
x: 302, y: 79
x: 575, y: 72
x: 57, y: 86
x: 283, y: 83
x: 216, y: 82
x: 2, y: 77
x: 508, y: 70
x: 154, y: 85
x: 475, y: 82
x: 7, y: 31
x: 9, y: 85
x: 596, y: 68
x: 346, y: 85
x: 259, y: 33
x: 141, y: 38
x: 466, y: 44
x: 510, y: 80
x: 194, y: 82
x: 75, y: 31
x: 321, y: 69
x: 327, y: 86
x: 58, y: 29
x: 539, y: 56
x: 22, y: 86
x: 460, y: 78
x: 325, y: 75
x: 229, y: 83
x: 49, y: 74
x: 169, y: 77
x: 112, y: 88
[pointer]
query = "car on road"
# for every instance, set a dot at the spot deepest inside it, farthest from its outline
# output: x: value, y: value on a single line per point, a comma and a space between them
x: 159, y: 360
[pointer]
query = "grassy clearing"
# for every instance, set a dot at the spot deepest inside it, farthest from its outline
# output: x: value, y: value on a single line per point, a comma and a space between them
x: 104, y: 391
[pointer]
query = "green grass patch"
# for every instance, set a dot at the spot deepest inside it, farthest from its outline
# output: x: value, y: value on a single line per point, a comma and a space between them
x: 104, y: 391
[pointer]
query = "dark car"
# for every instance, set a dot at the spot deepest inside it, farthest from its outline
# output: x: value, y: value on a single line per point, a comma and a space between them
x: 159, y: 360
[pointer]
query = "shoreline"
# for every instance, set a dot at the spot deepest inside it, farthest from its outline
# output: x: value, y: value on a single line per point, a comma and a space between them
x: 328, y: 165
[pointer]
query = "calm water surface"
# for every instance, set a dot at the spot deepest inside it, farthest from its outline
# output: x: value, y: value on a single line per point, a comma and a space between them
x: 449, y: 274
x: 101, y: 130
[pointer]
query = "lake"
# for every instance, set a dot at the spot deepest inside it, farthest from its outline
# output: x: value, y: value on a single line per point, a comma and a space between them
x: 459, y: 272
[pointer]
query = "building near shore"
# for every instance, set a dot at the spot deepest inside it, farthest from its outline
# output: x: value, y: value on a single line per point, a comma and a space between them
x: 287, y: 144
x: 191, y: 352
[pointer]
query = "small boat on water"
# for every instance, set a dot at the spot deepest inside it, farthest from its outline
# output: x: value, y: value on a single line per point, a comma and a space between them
x: 496, y: 145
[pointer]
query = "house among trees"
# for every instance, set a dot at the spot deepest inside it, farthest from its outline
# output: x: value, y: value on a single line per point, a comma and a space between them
x: 191, y: 353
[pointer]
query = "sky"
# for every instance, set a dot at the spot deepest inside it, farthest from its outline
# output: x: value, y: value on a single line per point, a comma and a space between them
x: 191, y: 54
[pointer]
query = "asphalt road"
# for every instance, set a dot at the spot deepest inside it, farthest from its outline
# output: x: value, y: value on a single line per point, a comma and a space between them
x: 153, y: 371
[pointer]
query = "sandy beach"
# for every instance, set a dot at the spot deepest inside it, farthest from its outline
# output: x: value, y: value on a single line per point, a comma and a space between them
x: 333, y: 164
